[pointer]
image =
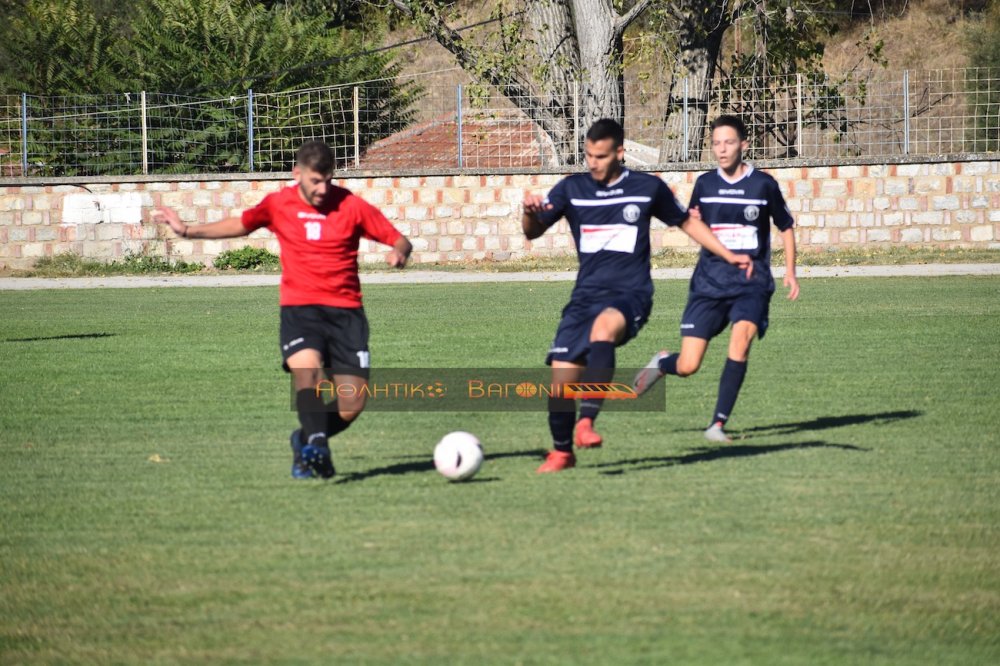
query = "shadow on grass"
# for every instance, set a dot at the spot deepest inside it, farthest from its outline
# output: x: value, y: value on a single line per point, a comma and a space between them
x: 827, y: 422
x: 426, y: 464
x: 69, y: 336
x: 709, y: 454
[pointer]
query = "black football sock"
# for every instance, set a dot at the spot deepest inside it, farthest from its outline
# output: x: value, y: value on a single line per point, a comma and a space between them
x: 335, y: 423
x: 562, y: 416
x: 600, y: 369
x: 729, y: 389
x: 312, y: 413
x: 668, y: 364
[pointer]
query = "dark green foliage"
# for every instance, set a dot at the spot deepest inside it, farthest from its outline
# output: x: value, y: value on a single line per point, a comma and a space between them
x: 247, y: 258
x: 201, y: 56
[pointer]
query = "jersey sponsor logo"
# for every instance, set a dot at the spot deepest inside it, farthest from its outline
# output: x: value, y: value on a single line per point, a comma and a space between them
x: 610, y: 202
x: 306, y: 215
x: 631, y: 213
x: 730, y: 192
x: 610, y: 193
x: 558, y: 350
x: 736, y: 236
x: 751, y: 213
x: 608, y: 237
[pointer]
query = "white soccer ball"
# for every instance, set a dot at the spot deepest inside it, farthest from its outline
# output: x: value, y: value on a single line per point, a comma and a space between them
x: 458, y: 456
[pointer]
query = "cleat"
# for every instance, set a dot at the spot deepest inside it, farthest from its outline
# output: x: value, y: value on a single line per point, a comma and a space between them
x: 317, y: 458
x: 299, y: 469
x: 584, y: 436
x: 715, y: 433
x: 649, y: 375
x: 557, y: 461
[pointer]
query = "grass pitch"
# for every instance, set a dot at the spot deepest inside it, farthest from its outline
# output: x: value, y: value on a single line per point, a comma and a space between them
x: 147, y: 515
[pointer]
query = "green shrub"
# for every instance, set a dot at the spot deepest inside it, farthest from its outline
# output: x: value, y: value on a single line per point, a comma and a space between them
x: 247, y: 259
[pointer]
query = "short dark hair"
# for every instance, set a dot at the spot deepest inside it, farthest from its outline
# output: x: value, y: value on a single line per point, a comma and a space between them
x: 731, y: 121
x: 315, y: 155
x: 605, y: 128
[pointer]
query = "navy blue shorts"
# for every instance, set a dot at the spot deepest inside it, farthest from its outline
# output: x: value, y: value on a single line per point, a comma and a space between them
x: 707, y: 317
x: 572, y: 342
x: 339, y: 334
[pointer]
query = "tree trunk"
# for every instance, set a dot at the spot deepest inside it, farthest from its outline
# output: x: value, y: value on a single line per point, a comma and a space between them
x: 701, y: 30
x: 602, y: 91
x: 559, y: 67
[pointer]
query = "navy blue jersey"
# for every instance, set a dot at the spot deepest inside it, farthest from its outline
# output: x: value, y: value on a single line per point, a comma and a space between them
x: 610, y: 225
x: 740, y: 214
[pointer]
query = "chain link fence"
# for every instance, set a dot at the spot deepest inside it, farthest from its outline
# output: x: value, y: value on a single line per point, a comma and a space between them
x: 472, y: 127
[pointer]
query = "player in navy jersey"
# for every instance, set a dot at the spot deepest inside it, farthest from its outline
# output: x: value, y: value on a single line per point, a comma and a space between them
x: 739, y: 203
x: 608, y: 211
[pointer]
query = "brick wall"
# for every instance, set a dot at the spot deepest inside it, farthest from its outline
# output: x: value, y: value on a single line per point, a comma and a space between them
x: 464, y: 217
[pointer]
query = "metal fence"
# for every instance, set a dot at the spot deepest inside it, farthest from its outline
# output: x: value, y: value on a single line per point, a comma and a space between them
x: 473, y: 127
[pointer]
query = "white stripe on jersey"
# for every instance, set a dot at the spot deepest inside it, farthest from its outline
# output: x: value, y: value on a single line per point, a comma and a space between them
x: 609, y: 202
x: 733, y: 200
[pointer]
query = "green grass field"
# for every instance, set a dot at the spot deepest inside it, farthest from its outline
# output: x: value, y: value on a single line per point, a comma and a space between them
x: 147, y: 515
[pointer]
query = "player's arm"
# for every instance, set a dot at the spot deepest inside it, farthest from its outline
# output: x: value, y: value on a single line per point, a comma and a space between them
x: 400, y: 252
x: 695, y: 228
x: 790, y: 281
x: 375, y: 226
x: 531, y: 224
x: 231, y: 227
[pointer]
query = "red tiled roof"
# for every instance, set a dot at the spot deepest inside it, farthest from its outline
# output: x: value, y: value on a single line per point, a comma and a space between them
x: 487, y: 143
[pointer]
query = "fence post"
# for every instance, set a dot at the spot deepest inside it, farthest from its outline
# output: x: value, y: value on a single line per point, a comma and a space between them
x: 357, y: 127
x: 145, y: 135
x: 906, y: 112
x: 798, y: 114
x: 24, y: 134
x: 576, y: 122
x: 250, y: 128
x: 684, y: 147
x: 458, y: 120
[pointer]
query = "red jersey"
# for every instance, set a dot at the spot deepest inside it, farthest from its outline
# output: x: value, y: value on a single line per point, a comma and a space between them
x: 319, y: 245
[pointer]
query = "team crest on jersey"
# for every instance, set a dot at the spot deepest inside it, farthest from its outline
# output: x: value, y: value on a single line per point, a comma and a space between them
x: 751, y: 213
x: 631, y: 213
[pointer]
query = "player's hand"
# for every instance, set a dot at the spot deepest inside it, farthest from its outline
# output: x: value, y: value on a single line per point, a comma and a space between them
x: 395, y: 259
x: 168, y: 216
x: 534, y: 204
x: 792, y: 283
x: 744, y: 262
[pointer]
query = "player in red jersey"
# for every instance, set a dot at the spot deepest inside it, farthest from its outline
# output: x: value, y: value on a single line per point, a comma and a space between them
x: 324, y: 331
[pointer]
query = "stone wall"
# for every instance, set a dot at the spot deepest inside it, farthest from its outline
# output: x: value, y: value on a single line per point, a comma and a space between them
x: 475, y: 217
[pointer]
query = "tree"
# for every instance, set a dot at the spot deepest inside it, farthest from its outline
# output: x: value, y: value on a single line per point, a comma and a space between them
x: 546, y: 55
x: 209, y: 51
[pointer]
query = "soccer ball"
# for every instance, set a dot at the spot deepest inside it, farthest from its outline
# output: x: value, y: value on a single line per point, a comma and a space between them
x: 458, y: 456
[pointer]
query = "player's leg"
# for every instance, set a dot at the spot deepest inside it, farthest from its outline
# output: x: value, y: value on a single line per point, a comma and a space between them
x: 347, y: 340
x: 749, y: 315
x: 306, y: 366
x: 702, y: 320
x: 562, y: 416
x: 607, y: 331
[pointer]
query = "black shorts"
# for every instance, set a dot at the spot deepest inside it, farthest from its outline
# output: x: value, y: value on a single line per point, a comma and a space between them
x: 572, y: 341
x: 339, y: 334
x: 707, y: 317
